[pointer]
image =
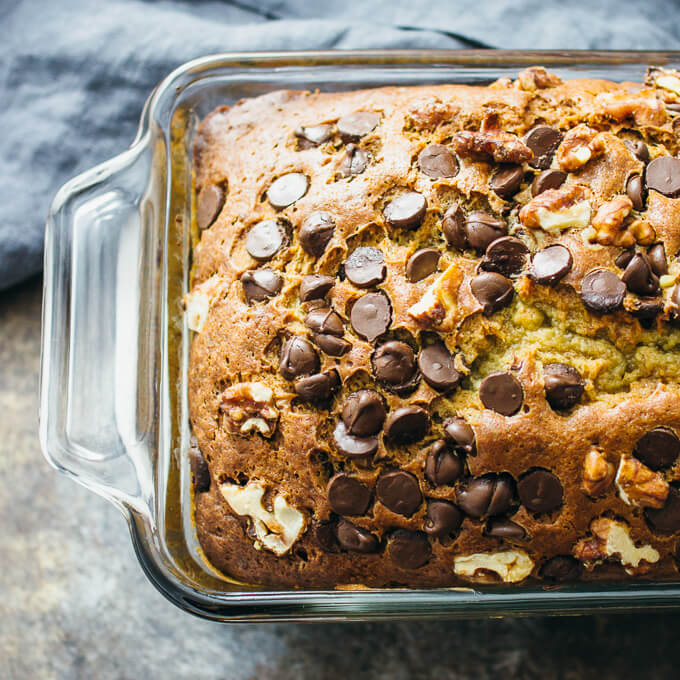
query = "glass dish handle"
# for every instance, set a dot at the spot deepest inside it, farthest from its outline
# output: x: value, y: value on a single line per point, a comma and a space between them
x: 95, y: 407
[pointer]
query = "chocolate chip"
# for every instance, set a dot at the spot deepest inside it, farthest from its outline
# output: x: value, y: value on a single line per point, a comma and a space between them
x: 287, y: 189
x: 443, y: 518
x: 624, y: 258
x: 317, y: 388
x: 646, y: 310
x: 324, y: 534
x: 493, y: 291
x: 666, y: 520
x: 354, y: 447
x: 406, y: 211
x: 453, y: 227
x: 501, y: 392
x: 547, y: 179
x: 355, y: 539
x: 563, y: 385
x: 636, y: 191
x: 543, y: 140
x: 365, y: 267
x: 560, y: 569
x: 315, y: 287
x: 409, y: 549
x: 657, y: 259
x: 324, y: 320
x: 663, y: 175
x: 331, y: 345
x: 209, y: 204
x: 265, y: 239
x: 506, y: 255
x: 298, y: 357
x: 638, y: 148
x: 355, y: 125
x: 422, y: 263
x: 441, y: 465
x: 371, y: 315
x: 437, y: 160
x: 507, y: 180
x: 639, y: 277
x: 354, y: 162
x: 316, y: 232
x: 602, y: 291
x: 482, y: 228
x: 399, y: 491
x: 501, y: 527
x: 313, y: 135
x: 347, y: 495
x: 364, y: 413
x: 407, y: 424
x: 486, y: 496
x: 200, y: 471
x: 658, y: 449
x: 551, y: 265
x: 461, y: 434
x: 540, y: 491
x: 437, y: 367
x: 394, y: 364
x: 260, y: 284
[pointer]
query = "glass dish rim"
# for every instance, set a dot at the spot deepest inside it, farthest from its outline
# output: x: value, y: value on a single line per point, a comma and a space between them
x: 333, y: 604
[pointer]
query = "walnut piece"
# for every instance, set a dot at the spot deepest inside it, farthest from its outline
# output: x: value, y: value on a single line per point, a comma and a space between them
x: 440, y: 299
x: 642, y: 107
x: 609, y: 223
x: 664, y: 78
x: 580, y: 145
x: 511, y: 566
x: 197, y: 302
x: 611, y: 538
x: 557, y: 209
x: 640, y: 486
x: 275, y: 530
x: 536, y: 78
x: 491, y: 143
x: 248, y: 407
x: 598, y: 473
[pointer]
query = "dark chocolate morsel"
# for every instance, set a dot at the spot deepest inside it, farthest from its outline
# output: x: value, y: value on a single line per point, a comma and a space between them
x: 406, y: 211
x: 602, y: 291
x: 563, y: 385
x: 501, y: 527
x: 639, y: 277
x: 461, y: 435
x: 355, y: 125
x: 325, y: 320
x: 324, y: 533
x: 355, y: 539
x: 507, y: 180
x: 560, y: 569
x: 638, y: 148
x: 443, y: 518
x: 364, y: 413
x: 482, y: 228
x: 657, y: 259
x: 287, y: 189
x: 624, y: 258
x: 298, y: 357
x: 260, y: 284
x: 543, y: 140
x: 437, y: 160
x: 663, y: 175
x: 331, y: 344
x: 666, y: 520
x: 394, y: 364
x: 442, y: 466
x: 493, y: 291
x: 199, y: 470
x: 315, y: 287
x: 636, y: 191
x: 547, y: 179
x: 399, y: 491
x: 365, y: 267
x: 540, y: 491
x: 453, y: 227
x: 313, y: 135
x: 646, y: 309
x: 347, y: 495
x: 421, y: 264
x: 354, y: 447
x: 317, y: 388
x: 407, y: 424
x: 265, y: 239
x: 437, y: 367
x: 506, y: 255
x: 209, y: 204
x: 354, y: 162
x: 408, y: 549
x: 316, y: 232
x: 371, y: 315
x: 486, y: 496
x: 658, y: 449
x: 501, y: 392
x: 551, y: 265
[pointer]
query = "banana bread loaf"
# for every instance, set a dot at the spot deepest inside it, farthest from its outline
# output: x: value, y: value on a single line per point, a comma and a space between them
x: 437, y: 334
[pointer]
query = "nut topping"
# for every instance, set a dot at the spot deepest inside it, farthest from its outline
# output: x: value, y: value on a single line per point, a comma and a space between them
x: 536, y: 78
x: 248, y: 407
x: 598, y: 473
x: 609, y: 220
x: 580, y: 145
x: 439, y: 299
x: 197, y: 303
x: 491, y: 143
x: 511, y: 566
x: 640, y: 486
x: 557, y: 209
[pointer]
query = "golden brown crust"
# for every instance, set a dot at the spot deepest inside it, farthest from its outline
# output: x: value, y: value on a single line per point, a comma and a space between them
x: 629, y: 366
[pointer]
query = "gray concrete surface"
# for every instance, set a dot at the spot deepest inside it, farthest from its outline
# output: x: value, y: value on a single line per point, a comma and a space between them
x: 74, y: 603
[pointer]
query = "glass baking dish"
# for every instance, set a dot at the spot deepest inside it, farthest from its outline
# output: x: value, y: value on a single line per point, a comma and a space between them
x: 113, y: 403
